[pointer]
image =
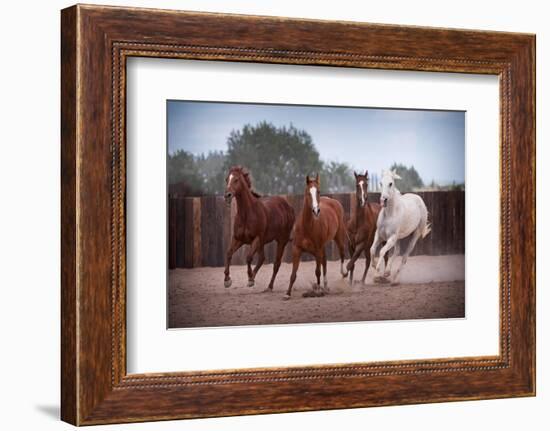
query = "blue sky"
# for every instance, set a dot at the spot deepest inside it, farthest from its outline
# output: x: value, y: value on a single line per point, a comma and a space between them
x: 365, y: 138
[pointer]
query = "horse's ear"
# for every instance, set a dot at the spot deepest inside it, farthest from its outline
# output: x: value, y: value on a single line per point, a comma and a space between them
x: 355, y: 174
x: 318, y: 178
x: 307, y: 179
x: 395, y: 176
x: 366, y: 174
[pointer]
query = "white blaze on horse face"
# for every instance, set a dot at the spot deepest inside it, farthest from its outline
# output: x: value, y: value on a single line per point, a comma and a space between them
x: 314, y: 204
x: 229, y: 190
x: 363, y: 199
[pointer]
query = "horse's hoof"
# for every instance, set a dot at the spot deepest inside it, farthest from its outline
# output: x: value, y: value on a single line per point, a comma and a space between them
x: 227, y: 283
x: 394, y: 283
x: 250, y: 283
x: 268, y: 290
x: 286, y: 297
x: 387, y: 274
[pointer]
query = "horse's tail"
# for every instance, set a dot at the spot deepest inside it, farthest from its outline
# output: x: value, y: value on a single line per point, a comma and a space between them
x: 427, y: 230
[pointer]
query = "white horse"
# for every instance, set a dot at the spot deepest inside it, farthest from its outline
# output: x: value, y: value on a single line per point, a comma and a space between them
x: 400, y: 216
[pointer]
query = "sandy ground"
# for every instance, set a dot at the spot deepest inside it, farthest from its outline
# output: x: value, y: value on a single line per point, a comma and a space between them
x: 431, y: 287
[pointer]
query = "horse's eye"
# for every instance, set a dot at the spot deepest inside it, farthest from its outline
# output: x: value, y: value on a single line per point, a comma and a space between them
x: 391, y: 184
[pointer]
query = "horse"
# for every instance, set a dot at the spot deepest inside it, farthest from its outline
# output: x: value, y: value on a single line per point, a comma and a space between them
x: 258, y: 222
x: 361, y: 227
x: 401, y: 216
x: 320, y: 221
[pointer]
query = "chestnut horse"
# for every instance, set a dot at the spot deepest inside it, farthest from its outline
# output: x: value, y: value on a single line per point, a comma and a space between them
x: 362, y: 226
x: 258, y: 222
x: 321, y: 220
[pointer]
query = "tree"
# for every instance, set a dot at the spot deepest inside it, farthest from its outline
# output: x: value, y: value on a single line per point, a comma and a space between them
x: 410, y: 179
x: 209, y: 169
x: 182, y: 168
x: 337, y: 178
x: 197, y: 175
x: 278, y: 158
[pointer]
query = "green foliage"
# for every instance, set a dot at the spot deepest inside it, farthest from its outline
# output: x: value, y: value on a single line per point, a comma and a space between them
x: 210, y: 167
x: 337, y: 178
x: 410, y: 179
x: 454, y: 186
x: 278, y: 158
x: 182, y: 167
x: 197, y: 173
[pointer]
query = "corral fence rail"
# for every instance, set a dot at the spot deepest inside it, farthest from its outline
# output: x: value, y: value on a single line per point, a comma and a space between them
x: 200, y: 228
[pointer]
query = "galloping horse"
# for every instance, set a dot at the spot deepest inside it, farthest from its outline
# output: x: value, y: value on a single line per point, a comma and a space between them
x: 362, y: 225
x: 258, y: 222
x: 321, y: 220
x: 401, y: 216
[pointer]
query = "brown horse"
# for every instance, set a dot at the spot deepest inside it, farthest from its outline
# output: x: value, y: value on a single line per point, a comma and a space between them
x: 258, y: 222
x: 362, y: 226
x: 321, y: 220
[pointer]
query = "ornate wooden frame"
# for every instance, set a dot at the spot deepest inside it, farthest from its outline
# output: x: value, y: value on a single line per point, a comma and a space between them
x: 95, y: 43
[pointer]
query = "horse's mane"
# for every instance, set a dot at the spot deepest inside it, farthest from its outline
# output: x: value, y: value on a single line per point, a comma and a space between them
x: 246, y: 175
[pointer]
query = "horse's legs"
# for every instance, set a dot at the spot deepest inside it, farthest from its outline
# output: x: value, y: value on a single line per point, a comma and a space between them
x: 340, y: 242
x: 390, y: 243
x: 325, y: 283
x: 255, y: 247
x: 318, y: 262
x: 389, y: 264
x: 280, y: 250
x: 235, y: 245
x: 259, y: 263
x: 351, y: 263
x: 417, y: 234
x: 374, y: 248
x: 296, y: 254
x: 367, y: 265
x: 351, y: 247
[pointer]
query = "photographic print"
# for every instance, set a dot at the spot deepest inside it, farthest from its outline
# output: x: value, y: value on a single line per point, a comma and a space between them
x: 288, y: 214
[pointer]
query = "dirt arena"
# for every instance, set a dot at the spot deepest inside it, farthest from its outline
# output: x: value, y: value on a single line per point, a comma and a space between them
x: 432, y: 287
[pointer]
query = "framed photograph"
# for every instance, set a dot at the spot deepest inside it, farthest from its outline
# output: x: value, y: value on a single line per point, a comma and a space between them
x: 264, y: 215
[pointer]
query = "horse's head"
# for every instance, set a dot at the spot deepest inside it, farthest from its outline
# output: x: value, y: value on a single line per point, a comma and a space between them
x: 361, y: 187
x: 312, y: 194
x: 236, y: 181
x: 388, y: 186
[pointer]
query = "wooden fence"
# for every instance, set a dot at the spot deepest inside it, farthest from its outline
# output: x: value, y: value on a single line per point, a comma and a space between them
x: 200, y: 228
